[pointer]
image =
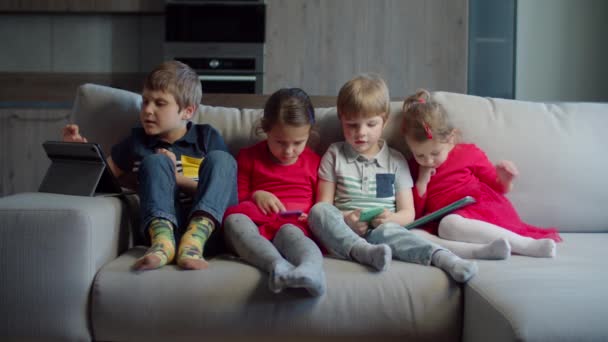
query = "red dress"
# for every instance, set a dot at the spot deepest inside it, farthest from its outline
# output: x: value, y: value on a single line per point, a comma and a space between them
x: 295, y: 185
x: 468, y: 172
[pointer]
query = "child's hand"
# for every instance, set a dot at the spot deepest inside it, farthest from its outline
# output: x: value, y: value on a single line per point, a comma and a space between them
x: 506, y: 172
x: 70, y: 134
x: 425, y: 174
x: 352, y: 220
x: 385, y: 216
x: 170, y: 155
x: 303, y: 217
x: 267, y: 202
x: 424, y: 177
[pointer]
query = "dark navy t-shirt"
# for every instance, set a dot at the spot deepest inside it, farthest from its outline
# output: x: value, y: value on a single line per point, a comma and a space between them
x: 190, y: 150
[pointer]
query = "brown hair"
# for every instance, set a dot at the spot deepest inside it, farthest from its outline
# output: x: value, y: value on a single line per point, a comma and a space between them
x: 290, y: 106
x: 365, y: 95
x: 179, y: 80
x: 425, y: 119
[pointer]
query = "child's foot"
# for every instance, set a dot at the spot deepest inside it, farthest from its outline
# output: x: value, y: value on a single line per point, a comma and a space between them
x: 148, y: 262
x: 543, y: 248
x: 307, y: 276
x: 191, y: 259
x: 162, y: 250
x: 499, y: 249
x: 190, y: 254
x: 460, y: 270
x: 377, y: 256
x: 278, y: 274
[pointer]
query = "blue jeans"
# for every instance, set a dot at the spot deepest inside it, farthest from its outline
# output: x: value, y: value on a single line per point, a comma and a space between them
x: 328, y: 225
x: 159, y: 194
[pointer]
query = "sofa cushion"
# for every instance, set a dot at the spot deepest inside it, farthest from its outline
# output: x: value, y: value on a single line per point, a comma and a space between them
x: 529, y: 299
x: 556, y: 148
x: 51, y: 247
x: 232, y: 300
x: 105, y: 114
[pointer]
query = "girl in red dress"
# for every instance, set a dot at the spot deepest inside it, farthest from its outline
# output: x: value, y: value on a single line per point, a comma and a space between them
x: 277, y: 179
x: 446, y: 171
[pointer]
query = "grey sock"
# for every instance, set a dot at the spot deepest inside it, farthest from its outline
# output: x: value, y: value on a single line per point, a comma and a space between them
x: 499, y: 249
x: 307, y: 258
x: 377, y: 256
x: 278, y: 274
x: 307, y: 276
x: 459, y: 269
x: 243, y: 236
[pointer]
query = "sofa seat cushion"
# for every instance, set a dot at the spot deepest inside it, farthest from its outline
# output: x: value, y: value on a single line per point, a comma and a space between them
x: 51, y: 247
x: 231, y: 300
x: 529, y: 299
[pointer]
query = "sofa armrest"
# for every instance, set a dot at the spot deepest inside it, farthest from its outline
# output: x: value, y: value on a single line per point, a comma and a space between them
x: 51, y: 247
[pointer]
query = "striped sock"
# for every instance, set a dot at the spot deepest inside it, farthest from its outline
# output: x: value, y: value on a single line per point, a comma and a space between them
x: 190, y: 254
x: 162, y: 249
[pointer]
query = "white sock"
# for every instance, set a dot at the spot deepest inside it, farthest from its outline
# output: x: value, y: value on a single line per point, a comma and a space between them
x: 499, y: 249
x: 455, y: 227
x: 543, y: 248
x: 459, y: 269
x: 377, y: 256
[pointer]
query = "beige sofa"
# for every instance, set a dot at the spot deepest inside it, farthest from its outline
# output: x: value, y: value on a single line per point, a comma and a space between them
x: 64, y: 260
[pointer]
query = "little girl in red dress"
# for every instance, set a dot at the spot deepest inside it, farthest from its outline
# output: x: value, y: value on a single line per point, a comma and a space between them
x: 277, y: 179
x: 446, y: 171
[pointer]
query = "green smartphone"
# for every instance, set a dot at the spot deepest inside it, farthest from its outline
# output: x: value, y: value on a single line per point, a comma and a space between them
x: 369, y: 214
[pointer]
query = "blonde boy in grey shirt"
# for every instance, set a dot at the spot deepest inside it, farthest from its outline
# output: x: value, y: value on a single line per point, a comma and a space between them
x: 363, y: 172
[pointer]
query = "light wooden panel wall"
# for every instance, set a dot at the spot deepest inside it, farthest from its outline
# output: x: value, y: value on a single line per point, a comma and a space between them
x: 320, y: 44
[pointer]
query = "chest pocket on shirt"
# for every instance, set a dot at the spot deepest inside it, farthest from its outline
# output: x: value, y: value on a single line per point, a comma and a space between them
x: 190, y: 166
x: 385, y: 185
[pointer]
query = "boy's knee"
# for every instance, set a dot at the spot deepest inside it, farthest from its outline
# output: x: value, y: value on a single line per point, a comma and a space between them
x: 320, y: 208
x: 319, y: 213
x: 220, y: 159
x: 385, y: 231
x: 156, y: 160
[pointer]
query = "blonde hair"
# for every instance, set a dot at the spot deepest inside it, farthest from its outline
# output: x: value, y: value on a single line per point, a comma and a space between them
x: 365, y: 95
x: 425, y: 119
x: 177, y: 79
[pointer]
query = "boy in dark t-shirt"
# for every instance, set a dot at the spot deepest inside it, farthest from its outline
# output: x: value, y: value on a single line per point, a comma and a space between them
x: 185, y: 176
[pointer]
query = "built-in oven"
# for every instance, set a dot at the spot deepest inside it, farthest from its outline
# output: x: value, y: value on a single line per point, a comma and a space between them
x: 222, y: 40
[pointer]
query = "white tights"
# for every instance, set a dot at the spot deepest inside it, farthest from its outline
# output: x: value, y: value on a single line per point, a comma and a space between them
x: 457, y: 228
x: 498, y: 249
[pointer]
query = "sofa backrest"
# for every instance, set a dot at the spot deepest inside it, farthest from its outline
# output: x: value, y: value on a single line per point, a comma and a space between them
x: 105, y: 115
x: 556, y: 147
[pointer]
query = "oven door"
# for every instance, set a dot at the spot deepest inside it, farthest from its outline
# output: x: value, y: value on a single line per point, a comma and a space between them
x: 231, y: 83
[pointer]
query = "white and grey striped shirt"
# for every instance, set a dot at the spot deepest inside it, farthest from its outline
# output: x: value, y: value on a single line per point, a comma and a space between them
x: 363, y: 183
